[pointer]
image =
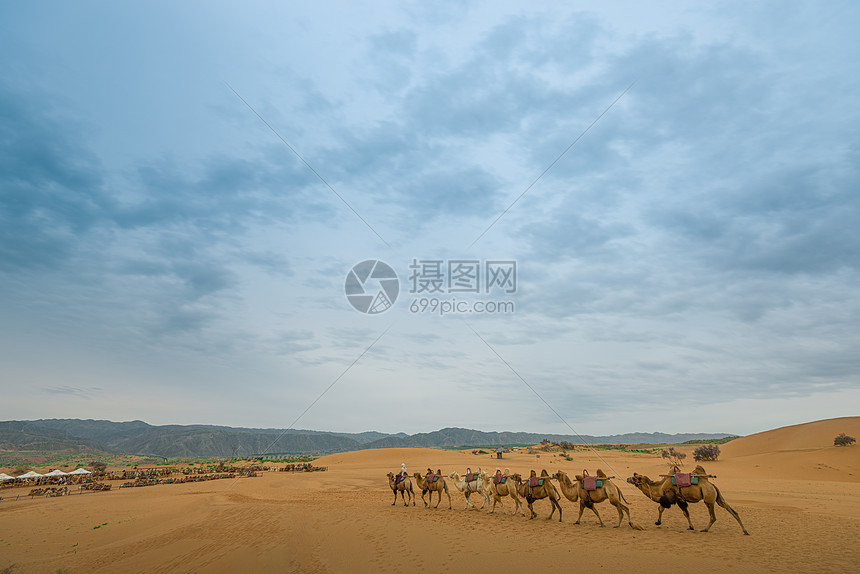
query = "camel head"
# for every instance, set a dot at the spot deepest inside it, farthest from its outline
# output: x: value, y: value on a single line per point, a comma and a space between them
x: 454, y: 476
x: 637, y: 480
x: 390, y: 475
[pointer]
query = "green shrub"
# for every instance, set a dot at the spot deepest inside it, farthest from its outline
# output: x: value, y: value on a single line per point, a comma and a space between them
x: 843, y: 439
x: 707, y: 452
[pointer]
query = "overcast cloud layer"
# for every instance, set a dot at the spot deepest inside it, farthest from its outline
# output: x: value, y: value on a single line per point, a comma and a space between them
x: 691, y: 264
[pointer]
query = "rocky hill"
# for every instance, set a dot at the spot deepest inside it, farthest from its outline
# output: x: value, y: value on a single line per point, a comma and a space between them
x: 140, y: 438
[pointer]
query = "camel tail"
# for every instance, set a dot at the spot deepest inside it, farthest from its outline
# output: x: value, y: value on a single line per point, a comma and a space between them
x: 720, y: 500
x: 635, y: 526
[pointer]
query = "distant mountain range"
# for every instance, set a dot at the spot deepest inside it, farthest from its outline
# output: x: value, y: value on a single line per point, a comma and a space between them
x: 140, y: 438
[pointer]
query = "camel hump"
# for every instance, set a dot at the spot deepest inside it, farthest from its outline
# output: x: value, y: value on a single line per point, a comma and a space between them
x: 578, y: 477
x: 544, y: 473
x: 601, y: 473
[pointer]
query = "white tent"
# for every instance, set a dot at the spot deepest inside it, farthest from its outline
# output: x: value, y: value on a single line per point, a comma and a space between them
x: 80, y: 471
x: 4, y: 476
x: 57, y: 472
x: 30, y: 474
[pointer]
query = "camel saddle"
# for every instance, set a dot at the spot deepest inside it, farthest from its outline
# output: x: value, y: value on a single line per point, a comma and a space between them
x: 592, y: 483
x: 535, y: 481
x: 432, y: 477
x: 398, y: 479
x: 499, y: 479
x: 471, y: 476
x: 682, y: 479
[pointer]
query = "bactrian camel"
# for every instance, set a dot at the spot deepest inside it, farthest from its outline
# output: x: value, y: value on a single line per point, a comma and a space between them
x: 431, y: 487
x: 497, y: 491
x: 533, y: 493
x: 573, y: 491
x: 467, y: 488
x: 666, y: 494
x: 405, y: 485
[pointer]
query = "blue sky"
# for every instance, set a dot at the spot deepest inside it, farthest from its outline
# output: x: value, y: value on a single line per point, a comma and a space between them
x: 691, y: 264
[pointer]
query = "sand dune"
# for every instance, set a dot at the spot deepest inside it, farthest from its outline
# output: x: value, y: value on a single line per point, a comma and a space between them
x: 343, y: 521
x: 814, y: 435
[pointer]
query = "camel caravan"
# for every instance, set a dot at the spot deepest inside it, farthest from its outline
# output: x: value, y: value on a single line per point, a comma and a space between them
x: 675, y: 488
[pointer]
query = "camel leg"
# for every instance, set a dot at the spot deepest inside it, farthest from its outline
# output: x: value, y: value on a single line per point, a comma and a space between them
x: 618, y: 506
x: 687, y: 514
x: 659, y: 515
x: 626, y: 510
x: 531, y: 508
x: 449, y: 497
x: 556, y: 504
x: 713, y: 514
x: 438, y: 501
x: 395, y: 498
x: 581, y: 509
x: 497, y: 500
x: 403, y: 494
x: 722, y: 502
x: 597, y: 514
x: 412, y: 496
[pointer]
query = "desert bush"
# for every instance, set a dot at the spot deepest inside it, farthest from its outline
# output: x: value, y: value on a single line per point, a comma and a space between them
x: 843, y: 439
x: 706, y: 452
x: 567, y: 445
x: 675, y: 458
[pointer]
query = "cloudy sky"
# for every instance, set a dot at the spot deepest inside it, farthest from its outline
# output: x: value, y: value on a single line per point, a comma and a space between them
x: 691, y: 264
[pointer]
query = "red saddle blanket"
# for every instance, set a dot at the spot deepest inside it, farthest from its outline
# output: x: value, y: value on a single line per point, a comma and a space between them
x: 471, y: 476
x: 682, y: 479
x: 499, y: 479
x: 535, y: 481
x: 432, y: 477
x: 398, y: 479
x: 592, y: 483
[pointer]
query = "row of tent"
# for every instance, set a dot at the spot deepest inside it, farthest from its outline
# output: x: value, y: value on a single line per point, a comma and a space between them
x: 31, y: 474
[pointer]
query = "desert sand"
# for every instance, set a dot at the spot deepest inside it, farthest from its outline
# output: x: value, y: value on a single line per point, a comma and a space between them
x: 798, y: 496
